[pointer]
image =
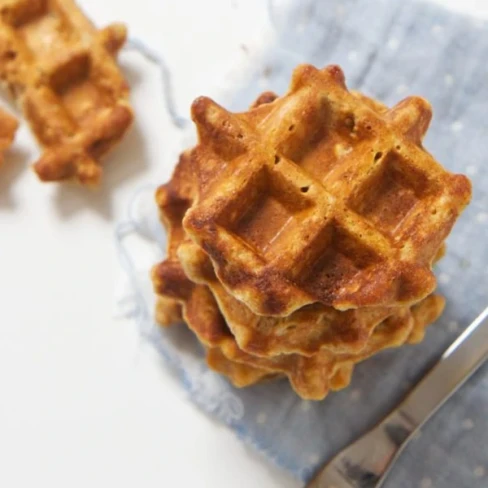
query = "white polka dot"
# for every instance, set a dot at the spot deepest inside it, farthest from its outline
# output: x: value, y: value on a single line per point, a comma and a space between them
x: 457, y: 126
x: 261, y: 418
x: 471, y: 170
x: 401, y: 89
x: 478, y: 23
x: 482, y: 217
x: 352, y: 56
x: 479, y: 471
x: 453, y: 326
x: 444, y: 278
x: 449, y: 79
x: 340, y: 11
x: 393, y: 44
x: 426, y: 483
x: 305, y: 406
x: 467, y: 424
x: 314, y: 458
x: 355, y: 395
x: 436, y: 29
x: 301, y: 27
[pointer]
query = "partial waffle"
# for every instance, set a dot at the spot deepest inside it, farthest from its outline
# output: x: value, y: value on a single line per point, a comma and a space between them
x: 62, y: 72
x: 319, y: 197
x: 8, y: 128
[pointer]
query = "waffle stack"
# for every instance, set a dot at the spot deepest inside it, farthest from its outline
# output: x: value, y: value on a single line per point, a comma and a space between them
x: 302, y: 233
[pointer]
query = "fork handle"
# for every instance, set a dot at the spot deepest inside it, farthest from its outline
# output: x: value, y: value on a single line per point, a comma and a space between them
x: 366, y: 461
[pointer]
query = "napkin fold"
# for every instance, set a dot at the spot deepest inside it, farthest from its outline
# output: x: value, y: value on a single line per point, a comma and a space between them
x: 387, y: 49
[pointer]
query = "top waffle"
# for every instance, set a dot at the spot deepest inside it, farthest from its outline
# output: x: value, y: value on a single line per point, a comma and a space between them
x: 321, y: 197
x: 61, y: 71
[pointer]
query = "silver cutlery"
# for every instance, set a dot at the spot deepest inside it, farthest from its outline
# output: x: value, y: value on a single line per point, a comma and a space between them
x: 366, y: 462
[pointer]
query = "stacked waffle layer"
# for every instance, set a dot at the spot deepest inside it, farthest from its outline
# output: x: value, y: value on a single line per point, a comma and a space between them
x: 302, y: 233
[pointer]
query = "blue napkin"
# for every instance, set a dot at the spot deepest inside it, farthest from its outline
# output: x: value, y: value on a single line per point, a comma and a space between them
x: 388, y: 49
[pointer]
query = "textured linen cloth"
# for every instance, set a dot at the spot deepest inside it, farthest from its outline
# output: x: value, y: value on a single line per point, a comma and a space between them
x: 388, y: 49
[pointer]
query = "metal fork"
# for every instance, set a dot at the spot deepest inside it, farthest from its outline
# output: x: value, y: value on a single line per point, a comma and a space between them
x: 366, y: 462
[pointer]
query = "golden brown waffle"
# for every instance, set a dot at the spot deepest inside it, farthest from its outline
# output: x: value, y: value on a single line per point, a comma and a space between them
x: 62, y: 72
x: 318, y: 197
x: 8, y: 127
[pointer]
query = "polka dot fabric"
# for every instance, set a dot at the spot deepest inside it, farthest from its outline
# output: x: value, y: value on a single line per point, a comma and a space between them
x: 387, y: 49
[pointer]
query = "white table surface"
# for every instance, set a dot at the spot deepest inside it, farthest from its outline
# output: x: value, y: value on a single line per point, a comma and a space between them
x: 83, y: 402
